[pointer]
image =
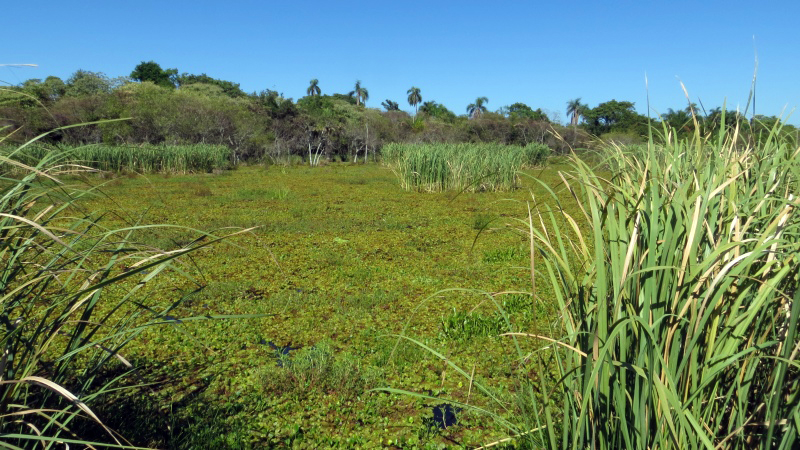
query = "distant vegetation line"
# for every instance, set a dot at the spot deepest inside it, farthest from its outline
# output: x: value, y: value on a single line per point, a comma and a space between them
x: 165, y: 107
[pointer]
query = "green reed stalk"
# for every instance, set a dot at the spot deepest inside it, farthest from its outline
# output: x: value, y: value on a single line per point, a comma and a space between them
x: 141, y: 159
x: 681, y: 301
x: 679, y: 292
x: 471, y: 167
x: 70, y: 300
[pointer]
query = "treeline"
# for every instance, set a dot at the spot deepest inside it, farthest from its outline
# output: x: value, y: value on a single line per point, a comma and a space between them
x: 161, y: 106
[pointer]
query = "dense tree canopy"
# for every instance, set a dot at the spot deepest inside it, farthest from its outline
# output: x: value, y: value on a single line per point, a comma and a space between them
x: 228, y: 88
x: 152, y: 71
x: 518, y: 111
x: 614, y: 116
x: 437, y: 111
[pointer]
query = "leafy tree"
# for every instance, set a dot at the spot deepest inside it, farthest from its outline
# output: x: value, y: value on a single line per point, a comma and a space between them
x: 83, y: 83
x: 228, y: 88
x: 575, y: 110
x: 346, y: 98
x: 438, y: 111
x: 414, y: 97
x: 717, y: 117
x: 390, y: 105
x: 476, y: 109
x: 54, y: 88
x: 615, y: 116
x: 519, y: 111
x: 152, y: 71
x: 680, y: 120
x: 360, y: 93
x: 313, y: 88
x: 274, y: 104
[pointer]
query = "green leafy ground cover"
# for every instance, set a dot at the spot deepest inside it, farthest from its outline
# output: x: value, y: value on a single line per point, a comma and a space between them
x: 342, y: 260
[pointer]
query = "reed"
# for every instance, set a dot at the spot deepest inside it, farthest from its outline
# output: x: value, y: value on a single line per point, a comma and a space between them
x: 141, y: 159
x: 678, y: 286
x: 71, y: 298
x: 462, y: 167
x: 680, y: 303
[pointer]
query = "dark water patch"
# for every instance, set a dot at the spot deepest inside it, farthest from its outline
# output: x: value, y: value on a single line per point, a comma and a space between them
x: 281, y: 352
x: 444, y: 415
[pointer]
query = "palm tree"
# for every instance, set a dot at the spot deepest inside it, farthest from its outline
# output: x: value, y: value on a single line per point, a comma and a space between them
x: 390, y: 105
x: 361, y: 94
x: 476, y: 109
x: 575, y: 110
x: 314, y: 89
x: 414, y: 97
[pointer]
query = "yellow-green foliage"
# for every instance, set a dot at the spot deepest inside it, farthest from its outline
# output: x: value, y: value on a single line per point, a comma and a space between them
x: 470, y: 167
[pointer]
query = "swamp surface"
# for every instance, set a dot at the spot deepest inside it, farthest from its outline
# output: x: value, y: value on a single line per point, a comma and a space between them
x: 342, y: 262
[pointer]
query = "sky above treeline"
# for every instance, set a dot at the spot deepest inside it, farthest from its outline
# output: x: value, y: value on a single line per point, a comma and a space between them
x: 539, y: 53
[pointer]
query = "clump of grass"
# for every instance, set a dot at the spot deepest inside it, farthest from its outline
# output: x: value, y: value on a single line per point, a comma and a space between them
x: 537, y: 154
x: 679, y: 304
x: 71, y: 300
x: 200, y: 189
x: 681, y: 313
x: 281, y: 193
x: 133, y: 159
x: 504, y: 254
x: 469, y: 167
x: 463, y: 325
x: 482, y: 221
x: 319, y: 368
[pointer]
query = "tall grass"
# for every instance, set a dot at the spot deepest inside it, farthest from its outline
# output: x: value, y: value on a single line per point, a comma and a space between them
x: 71, y: 298
x: 680, y: 304
x: 471, y: 167
x: 142, y: 159
x: 679, y: 298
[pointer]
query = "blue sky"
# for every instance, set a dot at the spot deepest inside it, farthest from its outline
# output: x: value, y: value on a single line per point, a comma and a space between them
x: 539, y: 53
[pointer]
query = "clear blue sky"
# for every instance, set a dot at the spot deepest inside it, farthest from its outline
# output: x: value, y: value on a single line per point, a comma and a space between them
x: 539, y: 53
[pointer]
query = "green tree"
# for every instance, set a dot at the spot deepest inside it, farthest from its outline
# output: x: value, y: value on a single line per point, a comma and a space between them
x: 83, y: 83
x: 519, y: 110
x: 390, y: 105
x: 476, y: 109
x: 680, y: 120
x: 152, y: 71
x: 414, y: 97
x: 575, y: 110
x: 438, y: 111
x: 54, y: 88
x: 228, y: 88
x: 617, y: 116
x: 313, y: 88
x: 360, y: 93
